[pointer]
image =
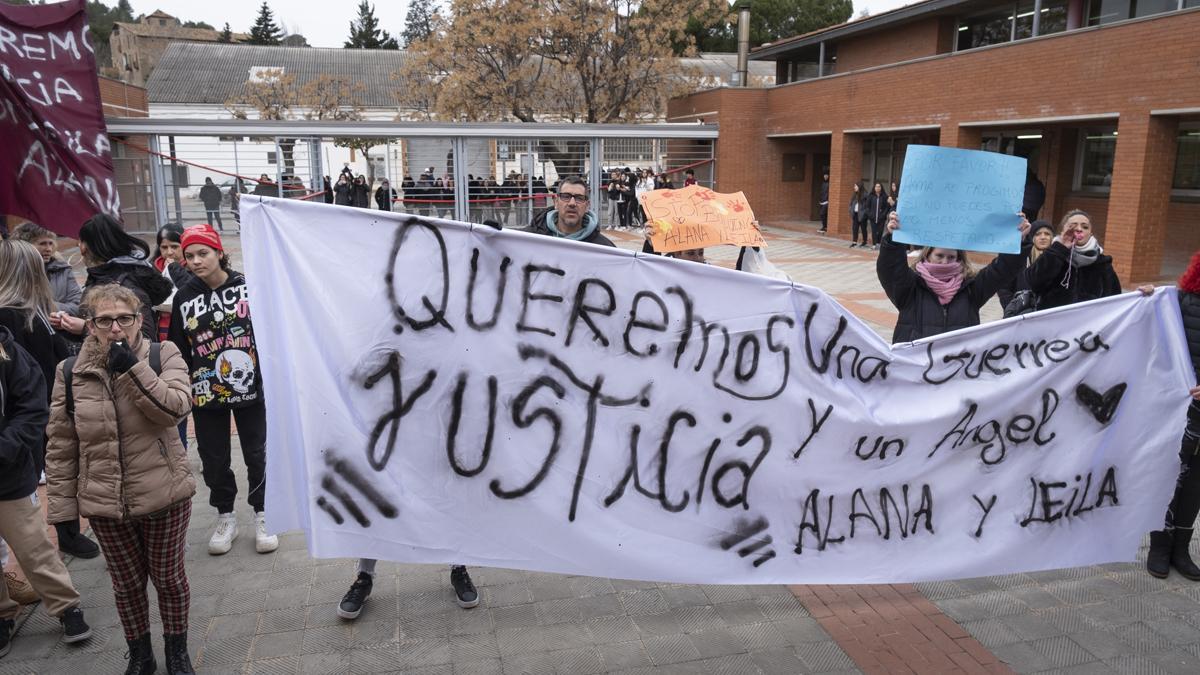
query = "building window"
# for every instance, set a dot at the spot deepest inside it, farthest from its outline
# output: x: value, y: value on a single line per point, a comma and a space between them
x: 1054, y: 17
x: 1187, y: 162
x: 1097, y: 153
x: 1101, y: 12
x: 990, y: 28
x: 883, y: 160
x: 270, y: 157
x: 1024, y: 27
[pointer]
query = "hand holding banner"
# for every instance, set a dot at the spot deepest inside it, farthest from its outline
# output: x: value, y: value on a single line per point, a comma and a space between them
x: 696, y: 217
x: 56, y: 168
x: 962, y: 199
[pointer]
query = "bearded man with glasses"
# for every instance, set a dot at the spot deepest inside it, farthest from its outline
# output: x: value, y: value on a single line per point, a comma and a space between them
x: 570, y: 218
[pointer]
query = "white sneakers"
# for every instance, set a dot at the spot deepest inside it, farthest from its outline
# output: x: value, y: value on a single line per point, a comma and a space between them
x: 222, y: 538
x: 263, y: 542
x: 227, y: 530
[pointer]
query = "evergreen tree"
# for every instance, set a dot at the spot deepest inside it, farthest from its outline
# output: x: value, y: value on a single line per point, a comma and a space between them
x: 265, y: 31
x: 418, y: 23
x: 365, y: 32
x: 770, y: 20
x: 226, y: 34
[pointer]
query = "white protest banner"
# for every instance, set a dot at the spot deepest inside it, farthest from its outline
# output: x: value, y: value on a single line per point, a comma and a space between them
x: 443, y: 392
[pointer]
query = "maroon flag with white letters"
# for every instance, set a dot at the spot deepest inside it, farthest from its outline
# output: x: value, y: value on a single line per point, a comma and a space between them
x: 55, y: 159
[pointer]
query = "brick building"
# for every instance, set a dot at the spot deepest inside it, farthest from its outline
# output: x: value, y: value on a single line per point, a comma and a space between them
x: 1102, y: 97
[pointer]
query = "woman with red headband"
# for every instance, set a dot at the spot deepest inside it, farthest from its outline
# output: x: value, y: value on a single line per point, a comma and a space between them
x: 210, y: 323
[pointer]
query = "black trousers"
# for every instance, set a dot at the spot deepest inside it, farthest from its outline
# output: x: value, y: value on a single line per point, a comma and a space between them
x: 824, y: 218
x: 876, y: 232
x: 1185, y: 505
x: 623, y: 213
x: 213, y: 446
x: 858, y: 226
x: 214, y: 218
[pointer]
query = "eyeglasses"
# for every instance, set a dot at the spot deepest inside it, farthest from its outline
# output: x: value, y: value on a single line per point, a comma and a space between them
x: 106, y: 322
x: 572, y: 197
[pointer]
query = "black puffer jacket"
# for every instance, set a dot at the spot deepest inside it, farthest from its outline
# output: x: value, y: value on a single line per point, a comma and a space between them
x: 24, y: 411
x: 139, y: 276
x: 921, y: 315
x: 43, y: 343
x: 1097, y: 280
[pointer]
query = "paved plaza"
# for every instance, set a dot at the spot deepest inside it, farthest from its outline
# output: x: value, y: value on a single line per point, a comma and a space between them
x: 275, y: 613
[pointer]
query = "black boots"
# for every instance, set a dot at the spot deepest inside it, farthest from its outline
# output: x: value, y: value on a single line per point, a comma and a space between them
x: 71, y: 542
x: 1169, y: 548
x: 1181, y: 560
x: 176, y: 652
x: 1158, y: 562
x: 141, y: 656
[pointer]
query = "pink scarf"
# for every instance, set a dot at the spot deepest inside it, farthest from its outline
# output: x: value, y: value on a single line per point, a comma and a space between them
x: 944, y: 279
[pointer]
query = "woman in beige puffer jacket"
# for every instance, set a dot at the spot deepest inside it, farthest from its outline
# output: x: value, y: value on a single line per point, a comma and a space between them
x: 118, y: 461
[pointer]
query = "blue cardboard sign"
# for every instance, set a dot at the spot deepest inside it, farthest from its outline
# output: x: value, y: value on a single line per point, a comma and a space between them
x: 966, y: 199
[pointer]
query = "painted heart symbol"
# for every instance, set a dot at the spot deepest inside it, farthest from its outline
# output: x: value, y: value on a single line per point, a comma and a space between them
x: 1102, y: 406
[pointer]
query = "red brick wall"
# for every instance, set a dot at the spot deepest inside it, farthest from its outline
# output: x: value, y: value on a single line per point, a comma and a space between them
x: 911, y: 41
x: 1094, y: 71
x: 1183, y: 237
x: 123, y: 100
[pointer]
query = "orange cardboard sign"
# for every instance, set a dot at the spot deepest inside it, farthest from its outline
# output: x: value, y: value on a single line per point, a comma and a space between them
x: 696, y: 217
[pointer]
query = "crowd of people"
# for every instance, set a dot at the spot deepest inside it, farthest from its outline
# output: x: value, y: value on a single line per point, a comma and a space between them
x: 509, y: 199
x: 97, y: 384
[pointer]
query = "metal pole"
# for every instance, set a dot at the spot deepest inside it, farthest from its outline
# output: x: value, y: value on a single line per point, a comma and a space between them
x: 529, y: 182
x: 821, y: 61
x: 157, y: 184
x: 594, y: 163
x: 387, y: 159
x: 175, y: 181
x: 314, y: 159
x: 1037, y: 17
x: 462, y: 206
x: 236, y: 168
x: 743, y: 53
x: 279, y: 167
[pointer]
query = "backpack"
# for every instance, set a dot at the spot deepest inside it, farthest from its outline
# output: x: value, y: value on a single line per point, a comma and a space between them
x: 69, y: 365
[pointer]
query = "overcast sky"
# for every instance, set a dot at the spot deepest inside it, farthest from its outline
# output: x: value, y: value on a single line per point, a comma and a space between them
x: 326, y: 23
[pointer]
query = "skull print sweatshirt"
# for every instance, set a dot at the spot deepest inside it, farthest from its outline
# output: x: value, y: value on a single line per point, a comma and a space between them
x: 212, y: 329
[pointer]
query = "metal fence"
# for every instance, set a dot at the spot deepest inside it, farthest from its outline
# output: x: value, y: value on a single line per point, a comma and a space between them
x: 469, y: 172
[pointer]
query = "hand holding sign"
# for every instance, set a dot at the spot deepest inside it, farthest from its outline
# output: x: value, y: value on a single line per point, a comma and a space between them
x: 696, y: 217
x: 961, y: 199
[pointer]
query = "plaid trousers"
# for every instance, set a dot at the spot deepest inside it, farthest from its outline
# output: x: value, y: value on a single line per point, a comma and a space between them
x: 148, y: 548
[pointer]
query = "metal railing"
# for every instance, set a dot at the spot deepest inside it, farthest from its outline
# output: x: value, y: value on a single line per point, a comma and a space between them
x: 474, y: 172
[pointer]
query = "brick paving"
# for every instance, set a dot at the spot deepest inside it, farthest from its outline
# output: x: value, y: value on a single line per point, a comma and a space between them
x: 274, y: 613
